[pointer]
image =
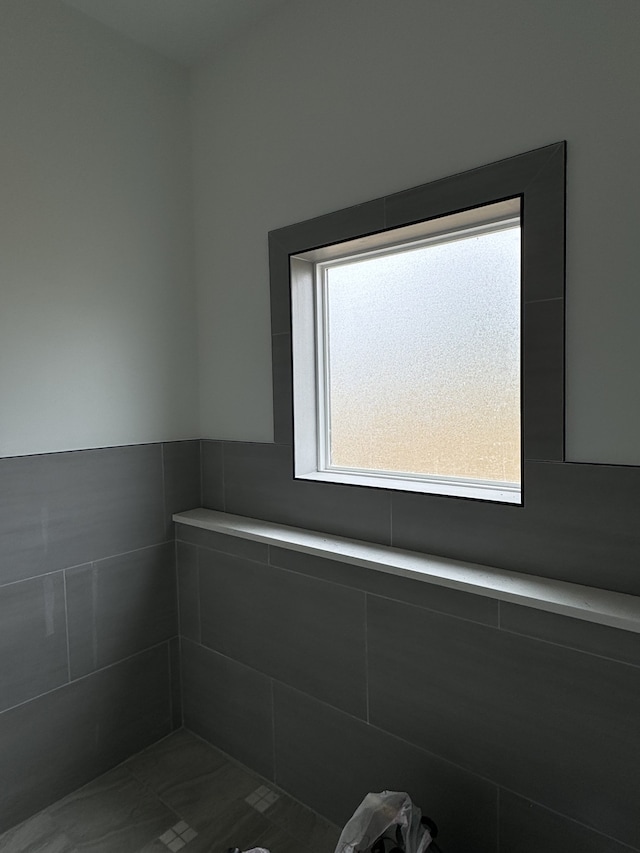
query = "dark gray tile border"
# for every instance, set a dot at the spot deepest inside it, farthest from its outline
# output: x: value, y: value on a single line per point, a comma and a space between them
x: 214, y: 541
x: 557, y: 725
x: 259, y: 483
x: 544, y: 214
x: 493, y: 182
x: 538, y: 178
x: 52, y: 745
x: 600, y: 640
x: 330, y: 761
x: 33, y: 639
x: 544, y: 382
x: 65, y: 509
x: 188, y: 591
x: 229, y: 705
x: 282, y: 389
x: 528, y: 828
x: 305, y: 632
x: 212, y: 475
x: 321, y: 231
x: 182, y: 478
x: 119, y: 606
x: 475, y: 607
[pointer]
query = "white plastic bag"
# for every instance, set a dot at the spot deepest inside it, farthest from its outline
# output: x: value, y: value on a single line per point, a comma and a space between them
x: 380, y: 815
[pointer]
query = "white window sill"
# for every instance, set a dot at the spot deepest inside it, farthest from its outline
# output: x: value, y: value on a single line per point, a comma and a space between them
x: 614, y: 609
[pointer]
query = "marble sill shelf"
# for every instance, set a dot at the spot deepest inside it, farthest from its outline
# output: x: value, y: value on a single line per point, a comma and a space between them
x: 568, y: 599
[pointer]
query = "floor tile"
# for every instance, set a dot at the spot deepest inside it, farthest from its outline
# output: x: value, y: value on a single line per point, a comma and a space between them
x: 180, y: 794
x: 174, y: 761
x: 37, y: 835
x: 114, y: 813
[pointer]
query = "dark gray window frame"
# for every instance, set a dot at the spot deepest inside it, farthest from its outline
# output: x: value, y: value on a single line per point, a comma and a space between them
x: 538, y: 178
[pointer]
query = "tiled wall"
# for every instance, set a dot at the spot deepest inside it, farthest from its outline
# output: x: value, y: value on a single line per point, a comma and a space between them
x: 88, y: 623
x: 515, y: 729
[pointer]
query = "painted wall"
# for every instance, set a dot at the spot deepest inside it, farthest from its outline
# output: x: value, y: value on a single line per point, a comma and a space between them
x: 328, y: 105
x: 97, y: 319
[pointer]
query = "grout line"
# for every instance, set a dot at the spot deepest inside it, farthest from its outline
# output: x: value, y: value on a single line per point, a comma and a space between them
x: 573, y: 648
x: 133, y: 551
x: 44, y: 574
x: 180, y: 672
x: 200, y: 473
x: 366, y: 652
x: 170, y: 670
x: 84, y: 677
x: 546, y: 299
x: 391, y: 521
x: 568, y: 818
x: 66, y: 619
x: 198, y: 599
x: 178, y: 609
x: 273, y: 731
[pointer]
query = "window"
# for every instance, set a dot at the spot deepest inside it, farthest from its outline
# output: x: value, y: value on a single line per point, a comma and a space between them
x: 418, y: 339
x: 406, y: 357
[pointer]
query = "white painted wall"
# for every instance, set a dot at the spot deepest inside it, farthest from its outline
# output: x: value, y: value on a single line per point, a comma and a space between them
x: 97, y: 319
x: 334, y: 103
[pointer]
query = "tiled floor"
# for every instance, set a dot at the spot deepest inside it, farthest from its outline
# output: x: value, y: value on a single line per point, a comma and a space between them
x: 180, y: 794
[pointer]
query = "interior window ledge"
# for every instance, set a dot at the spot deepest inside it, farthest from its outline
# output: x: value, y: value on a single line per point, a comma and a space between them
x: 590, y: 604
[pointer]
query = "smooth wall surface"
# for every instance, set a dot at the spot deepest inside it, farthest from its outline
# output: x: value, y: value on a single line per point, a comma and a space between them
x: 97, y: 315
x: 514, y: 729
x: 89, y: 668
x: 411, y: 92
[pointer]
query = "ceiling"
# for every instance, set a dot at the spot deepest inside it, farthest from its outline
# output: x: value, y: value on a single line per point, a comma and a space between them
x: 183, y: 30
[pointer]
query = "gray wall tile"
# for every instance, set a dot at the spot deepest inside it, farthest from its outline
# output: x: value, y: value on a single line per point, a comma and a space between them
x: 330, y: 761
x: 475, y: 607
x: 182, y: 476
x: 305, y: 632
x: 229, y: 705
x: 119, y: 606
x: 212, y: 475
x: 188, y: 591
x: 579, y: 524
x: 259, y: 482
x: 53, y: 744
x: 574, y: 633
x: 33, y: 638
x: 480, y: 697
x: 528, y: 828
x: 223, y: 542
x: 65, y: 509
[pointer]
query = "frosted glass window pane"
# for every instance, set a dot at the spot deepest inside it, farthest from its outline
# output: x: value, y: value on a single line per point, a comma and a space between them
x: 423, y: 359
